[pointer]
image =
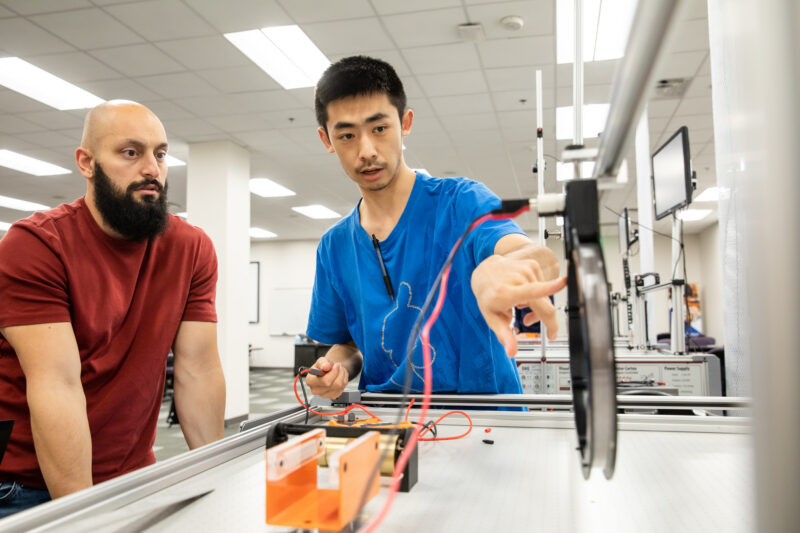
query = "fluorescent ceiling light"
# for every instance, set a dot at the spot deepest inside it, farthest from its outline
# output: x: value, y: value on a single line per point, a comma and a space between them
x: 566, y: 171
x: 316, y: 211
x: 422, y: 171
x: 5, y: 226
x: 268, y: 188
x: 606, y: 25
x: 174, y: 162
x: 594, y: 120
x: 33, y: 82
x: 709, y: 195
x: 21, y: 205
x: 260, y: 233
x: 29, y: 165
x: 691, y: 215
x: 284, y: 52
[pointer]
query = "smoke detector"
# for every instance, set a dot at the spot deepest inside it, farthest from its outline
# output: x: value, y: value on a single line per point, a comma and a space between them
x: 471, y: 31
x: 512, y: 22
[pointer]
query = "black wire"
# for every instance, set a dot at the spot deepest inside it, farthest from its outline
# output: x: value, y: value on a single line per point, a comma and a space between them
x: 412, y: 341
x: 303, y: 388
x: 642, y: 225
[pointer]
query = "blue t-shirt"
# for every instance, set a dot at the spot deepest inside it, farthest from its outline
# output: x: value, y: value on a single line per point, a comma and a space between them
x: 350, y: 300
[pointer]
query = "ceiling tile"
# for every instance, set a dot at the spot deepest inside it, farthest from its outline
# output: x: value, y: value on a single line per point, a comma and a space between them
x: 470, y: 122
x: 520, y: 119
x: 50, y: 139
x: 238, y: 123
x: 296, y: 118
x: 442, y: 58
x: 691, y: 35
x: 238, y: 79
x: 5, y: 13
x: 245, y: 15
x: 661, y: 108
x: 389, y: 7
x: 87, y: 28
x: 681, y: 64
x: 161, y: 19
x: 701, y: 136
x: 538, y: 17
x: 74, y: 67
x: 425, y: 28
x: 515, y: 78
x: 125, y: 89
x: 348, y: 36
x: 392, y: 57
x: 517, y: 52
x: 137, y: 60
x: 453, y: 83
x: 258, y: 138
x: 192, y: 128
x: 511, y: 100
x: 21, y: 38
x: 14, y: 102
x: 467, y: 103
x: 256, y: 101
x: 592, y: 94
x: 594, y: 73
x: 700, y: 87
x: 26, y: 7
x: 14, y: 125
x: 54, y: 120
x: 702, y: 122
x: 177, y: 85
x: 304, y: 11
x: 694, y: 106
x: 167, y: 110
x: 205, y: 52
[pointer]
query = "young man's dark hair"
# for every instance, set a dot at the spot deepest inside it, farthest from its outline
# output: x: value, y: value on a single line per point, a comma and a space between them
x: 355, y: 76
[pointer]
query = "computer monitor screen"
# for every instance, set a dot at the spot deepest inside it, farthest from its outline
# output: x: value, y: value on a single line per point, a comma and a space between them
x: 624, y: 232
x: 672, y: 175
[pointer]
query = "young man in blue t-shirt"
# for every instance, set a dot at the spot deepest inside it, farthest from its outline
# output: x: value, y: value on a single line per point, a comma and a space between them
x: 375, y: 266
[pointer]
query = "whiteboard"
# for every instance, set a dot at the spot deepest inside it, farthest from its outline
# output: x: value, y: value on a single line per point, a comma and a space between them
x: 288, y: 311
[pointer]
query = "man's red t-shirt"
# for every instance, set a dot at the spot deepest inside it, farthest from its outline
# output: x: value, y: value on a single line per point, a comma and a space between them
x: 125, y: 301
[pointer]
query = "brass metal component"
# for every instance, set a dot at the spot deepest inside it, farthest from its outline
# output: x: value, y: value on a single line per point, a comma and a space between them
x: 333, y: 444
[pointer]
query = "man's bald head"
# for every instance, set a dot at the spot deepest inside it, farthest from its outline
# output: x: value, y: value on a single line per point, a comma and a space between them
x: 111, y: 117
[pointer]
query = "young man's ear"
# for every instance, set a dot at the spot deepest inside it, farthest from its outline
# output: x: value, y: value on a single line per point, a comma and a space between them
x: 323, y: 136
x: 408, y: 119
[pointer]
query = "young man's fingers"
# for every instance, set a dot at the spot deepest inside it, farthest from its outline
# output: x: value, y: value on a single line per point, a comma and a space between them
x: 530, y: 318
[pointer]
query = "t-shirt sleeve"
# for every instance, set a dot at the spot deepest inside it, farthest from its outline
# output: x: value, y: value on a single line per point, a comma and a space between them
x: 33, y: 280
x: 200, y: 304
x: 474, y: 200
x: 327, y: 322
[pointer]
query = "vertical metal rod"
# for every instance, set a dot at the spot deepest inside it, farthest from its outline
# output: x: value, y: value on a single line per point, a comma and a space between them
x: 678, y: 327
x: 577, y: 81
x: 540, y: 178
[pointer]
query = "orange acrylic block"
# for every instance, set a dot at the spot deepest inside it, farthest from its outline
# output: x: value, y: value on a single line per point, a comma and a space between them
x: 293, y: 496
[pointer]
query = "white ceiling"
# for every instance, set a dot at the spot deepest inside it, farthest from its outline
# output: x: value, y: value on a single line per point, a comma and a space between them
x: 474, y: 101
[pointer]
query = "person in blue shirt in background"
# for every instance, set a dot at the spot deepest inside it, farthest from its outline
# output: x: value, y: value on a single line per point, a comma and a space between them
x: 375, y: 266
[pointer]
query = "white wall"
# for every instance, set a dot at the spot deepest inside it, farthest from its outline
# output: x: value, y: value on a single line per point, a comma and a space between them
x: 283, y: 265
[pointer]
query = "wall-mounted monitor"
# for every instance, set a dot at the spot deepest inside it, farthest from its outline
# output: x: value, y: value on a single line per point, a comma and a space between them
x: 624, y: 232
x: 672, y: 175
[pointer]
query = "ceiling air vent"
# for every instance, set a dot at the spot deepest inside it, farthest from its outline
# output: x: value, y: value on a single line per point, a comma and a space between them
x: 670, y: 88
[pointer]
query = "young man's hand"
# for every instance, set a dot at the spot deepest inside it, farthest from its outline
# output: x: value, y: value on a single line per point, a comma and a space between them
x: 332, y: 384
x: 501, y: 283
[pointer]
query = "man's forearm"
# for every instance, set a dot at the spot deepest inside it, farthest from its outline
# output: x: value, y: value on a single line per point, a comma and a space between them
x: 61, y: 436
x: 200, y: 402
x: 348, y: 356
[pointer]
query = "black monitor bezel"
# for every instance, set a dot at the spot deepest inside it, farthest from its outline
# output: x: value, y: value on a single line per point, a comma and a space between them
x: 687, y: 170
x: 627, y: 218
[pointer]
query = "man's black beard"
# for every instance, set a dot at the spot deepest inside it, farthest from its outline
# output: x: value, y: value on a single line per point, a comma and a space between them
x: 134, y: 220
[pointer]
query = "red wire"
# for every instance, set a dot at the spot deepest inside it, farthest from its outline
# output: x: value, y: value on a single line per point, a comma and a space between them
x: 456, y: 437
x: 427, y: 374
x: 349, y: 408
